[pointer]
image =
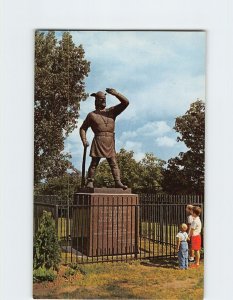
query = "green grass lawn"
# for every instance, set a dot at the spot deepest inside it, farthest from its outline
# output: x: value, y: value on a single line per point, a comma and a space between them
x: 158, y: 279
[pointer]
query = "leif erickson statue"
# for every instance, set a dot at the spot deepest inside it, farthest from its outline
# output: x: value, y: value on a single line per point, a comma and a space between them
x: 102, y: 123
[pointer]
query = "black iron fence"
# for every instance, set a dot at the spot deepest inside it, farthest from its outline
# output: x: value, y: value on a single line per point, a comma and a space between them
x: 112, y: 232
x: 144, y: 198
x: 172, y: 199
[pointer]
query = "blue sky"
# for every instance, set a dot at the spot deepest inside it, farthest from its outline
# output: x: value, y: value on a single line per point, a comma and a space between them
x: 160, y: 72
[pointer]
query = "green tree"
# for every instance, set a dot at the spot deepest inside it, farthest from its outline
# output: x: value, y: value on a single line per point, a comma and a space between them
x: 46, y: 250
x: 60, y: 70
x: 129, y: 168
x: 174, y: 179
x: 151, y: 174
x: 103, y: 176
x: 63, y: 186
x: 185, y: 173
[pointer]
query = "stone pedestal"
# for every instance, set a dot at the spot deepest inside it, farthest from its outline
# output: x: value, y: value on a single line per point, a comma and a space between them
x: 105, y: 222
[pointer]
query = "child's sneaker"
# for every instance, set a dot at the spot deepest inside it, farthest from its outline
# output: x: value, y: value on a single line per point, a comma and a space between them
x: 191, y: 259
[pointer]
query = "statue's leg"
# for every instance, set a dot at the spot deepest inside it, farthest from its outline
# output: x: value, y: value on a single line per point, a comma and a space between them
x: 91, y: 171
x: 116, y: 173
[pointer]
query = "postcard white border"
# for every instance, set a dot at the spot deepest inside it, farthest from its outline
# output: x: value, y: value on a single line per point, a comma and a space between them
x: 18, y: 20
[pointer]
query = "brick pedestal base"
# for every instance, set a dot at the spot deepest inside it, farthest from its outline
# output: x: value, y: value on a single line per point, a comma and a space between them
x: 105, y: 222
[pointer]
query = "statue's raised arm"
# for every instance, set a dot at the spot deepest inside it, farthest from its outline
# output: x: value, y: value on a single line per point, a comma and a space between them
x: 119, y: 96
x: 124, y: 102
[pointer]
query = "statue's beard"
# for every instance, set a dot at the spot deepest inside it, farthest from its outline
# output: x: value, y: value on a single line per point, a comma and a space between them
x: 101, y: 106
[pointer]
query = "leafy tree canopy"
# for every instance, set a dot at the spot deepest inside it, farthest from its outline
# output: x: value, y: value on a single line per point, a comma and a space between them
x: 151, y: 175
x: 185, y: 173
x: 63, y: 186
x: 60, y: 71
x: 191, y: 126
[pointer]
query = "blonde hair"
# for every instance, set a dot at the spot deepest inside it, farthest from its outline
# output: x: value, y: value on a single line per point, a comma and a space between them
x: 190, y: 206
x: 184, y: 226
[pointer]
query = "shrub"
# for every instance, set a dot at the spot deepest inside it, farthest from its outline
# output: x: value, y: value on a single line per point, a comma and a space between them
x: 70, y: 272
x: 74, y: 269
x: 46, y: 250
x: 43, y: 274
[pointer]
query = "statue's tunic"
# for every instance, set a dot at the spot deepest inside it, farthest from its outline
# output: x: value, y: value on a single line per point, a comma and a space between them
x: 102, y: 124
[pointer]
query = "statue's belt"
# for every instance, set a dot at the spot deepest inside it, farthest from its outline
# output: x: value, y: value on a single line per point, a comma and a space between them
x: 105, y: 134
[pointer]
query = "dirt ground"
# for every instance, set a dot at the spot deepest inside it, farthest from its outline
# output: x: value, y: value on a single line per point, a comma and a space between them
x: 135, y: 280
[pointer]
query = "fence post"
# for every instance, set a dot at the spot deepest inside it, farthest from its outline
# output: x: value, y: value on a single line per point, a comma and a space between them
x: 56, y: 217
x: 136, y: 230
x: 68, y: 221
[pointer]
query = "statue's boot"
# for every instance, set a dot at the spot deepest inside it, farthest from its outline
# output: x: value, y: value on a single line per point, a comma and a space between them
x: 90, y: 183
x: 119, y: 184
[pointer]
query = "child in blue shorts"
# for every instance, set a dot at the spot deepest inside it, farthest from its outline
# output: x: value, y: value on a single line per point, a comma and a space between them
x: 182, y: 247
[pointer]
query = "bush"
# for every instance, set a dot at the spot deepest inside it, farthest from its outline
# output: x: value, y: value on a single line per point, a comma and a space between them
x: 76, y: 268
x: 70, y: 272
x: 43, y: 274
x: 73, y: 270
x: 46, y: 250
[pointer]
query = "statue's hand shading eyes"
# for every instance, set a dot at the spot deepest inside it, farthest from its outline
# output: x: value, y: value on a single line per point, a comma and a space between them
x: 111, y: 91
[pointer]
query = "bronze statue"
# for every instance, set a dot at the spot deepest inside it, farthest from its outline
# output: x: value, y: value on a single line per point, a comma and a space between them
x: 102, y: 123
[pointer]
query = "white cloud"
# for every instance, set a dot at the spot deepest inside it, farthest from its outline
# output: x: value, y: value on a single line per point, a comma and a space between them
x: 140, y: 45
x: 166, y: 141
x: 131, y: 145
x: 136, y: 147
x: 154, y: 128
x: 128, y: 135
x: 150, y: 129
x: 139, y: 156
x: 167, y: 98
